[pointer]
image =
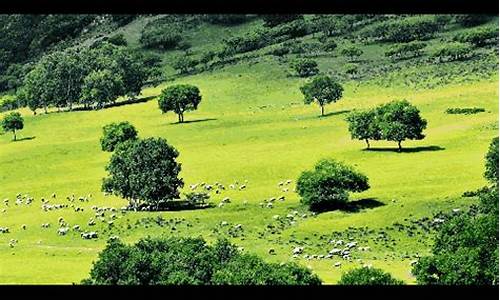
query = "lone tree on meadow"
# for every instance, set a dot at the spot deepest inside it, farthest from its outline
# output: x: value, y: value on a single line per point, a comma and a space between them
x: 145, y: 172
x: 352, y: 52
x: 179, y: 99
x: 363, y: 126
x: 399, y: 121
x: 327, y: 186
x: 323, y: 90
x: 116, y: 133
x: 12, y: 122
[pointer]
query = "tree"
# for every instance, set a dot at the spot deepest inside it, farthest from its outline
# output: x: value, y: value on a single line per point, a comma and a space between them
x: 323, y: 90
x: 179, y: 99
x: 177, y: 260
x: 101, y: 87
x: 363, y: 126
x: 118, y: 40
x: 305, y: 67
x: 145, y: 172
x: 407, y: 50
x: 12, y: 122
x: 327, y: 185
x: 352, y: 52
x: 116, y: 133
x: 399, y: 121
x: 491, y: 172
x: 453, y: 52
x: 368, y: 276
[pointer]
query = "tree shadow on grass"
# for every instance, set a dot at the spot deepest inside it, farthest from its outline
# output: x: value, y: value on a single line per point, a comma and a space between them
x: 407, y: 150
x: 351, y: 206
x: 193, y: 121
x: 25, y: 139
x: 335, y: 113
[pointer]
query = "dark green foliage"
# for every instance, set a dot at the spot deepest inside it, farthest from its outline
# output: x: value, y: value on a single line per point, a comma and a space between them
x: 352, y: 52
x: 350, y: 69
x: 196, y: 199
x: 117, y: 40
x: 101, y: 87
x: 323, y: 90
x: 161, y: 36
x: 364, y: 126
x: 407, y: 50
x: 144, y: 171
x: 403, y: 30
x: 472, y: 19
x: 453, y: 52
x: 184, y: 64
x: 465, y: 111
x: 122, y: 20
x: 491, y: 172
x: 275, y: 20
x: 399, y: 121
x: 331, y: 25
x: 466, y: 247
x: 179, y: 99
x: 226, y: 19
x: 327, y: 186
x: 175, y: 261
x: 368, y: 276
x: 12, y: 122
x: 305, y: 67
x: 478, y: 36
x: 281, y: 50
x: 116, y: 133
x: 329, y: 45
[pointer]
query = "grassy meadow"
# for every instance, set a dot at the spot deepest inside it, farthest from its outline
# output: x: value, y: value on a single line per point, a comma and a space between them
x: 251, y: 126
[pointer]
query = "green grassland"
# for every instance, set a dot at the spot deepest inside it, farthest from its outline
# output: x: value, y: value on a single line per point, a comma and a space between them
x: 252, y: 126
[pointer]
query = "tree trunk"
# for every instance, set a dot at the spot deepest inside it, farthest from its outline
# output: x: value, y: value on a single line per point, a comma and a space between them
x: 179, y: 118
x: 367, y: 144
x: 14, y: 131
x: 322, y: 110
x: 399, y: 146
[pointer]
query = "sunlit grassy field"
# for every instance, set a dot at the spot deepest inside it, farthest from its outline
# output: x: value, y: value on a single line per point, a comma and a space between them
x: 251, y: 125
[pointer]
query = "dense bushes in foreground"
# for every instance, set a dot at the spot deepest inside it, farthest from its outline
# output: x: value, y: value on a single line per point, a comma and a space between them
x: 466, y: 247
x: 368, y: 276
x: 180, y: 261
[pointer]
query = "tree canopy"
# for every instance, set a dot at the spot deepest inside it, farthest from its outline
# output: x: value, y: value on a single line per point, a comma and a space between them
x: 179, y: 99
x: 323, y: 90
x: 368, y: 276
x: 116, y: 133
x: 12, y: 122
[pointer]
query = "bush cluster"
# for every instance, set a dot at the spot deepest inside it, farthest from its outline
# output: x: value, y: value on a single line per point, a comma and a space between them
x: 403, y: 30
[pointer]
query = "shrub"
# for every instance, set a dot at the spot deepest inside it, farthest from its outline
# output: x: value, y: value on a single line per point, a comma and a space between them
x: 184, y: 64
x: 403, y: 30
x: 465, y: 111
x: 179, y: 99
x: 116, y: 133
x: 117, y: 39
x: 165, y: 37
x: 453, y: 52
x: 470, y: 20
x: 305, y: 67
x: 275, y: 20
x: 350, y: 69
x: 352, y: 52
x: 329, y: 45
x: 144, y: 171
x: 175, y: 261
x: 279, y: 51
x: 407, y: 50
x: 225, y: 19
x: 368, y: 276
x: 478, y: 37
x: 327, y: 186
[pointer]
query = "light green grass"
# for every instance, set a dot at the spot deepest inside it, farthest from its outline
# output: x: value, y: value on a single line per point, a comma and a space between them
x: 243, y: 142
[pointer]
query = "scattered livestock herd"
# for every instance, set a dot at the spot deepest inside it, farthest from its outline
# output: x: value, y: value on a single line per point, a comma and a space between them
x: 341, y: 246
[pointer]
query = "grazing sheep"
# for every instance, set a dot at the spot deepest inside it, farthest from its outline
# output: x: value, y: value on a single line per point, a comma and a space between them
x: 62, y: 231
x: 298, y: 250
x: 288, y: 181
x: 280, y: 183
x: 261, y: 204
x: 76, y: 227
x: 276, y: 217
x: 242, y: 187
x: 241, y: 249
x: 91, y: 222
x: 289, y: 216
x: 221, y: 204
x: 223, y: 223
x: 285, y: 190
x: 272, y: 251
x: 231, y: 186
x: 53, y: 195
x: 226, y: 200
x: 269, y: 205
x: 23, y: 227
x: 335, y: 251
x: 281, y: 198
x: 4, y: 230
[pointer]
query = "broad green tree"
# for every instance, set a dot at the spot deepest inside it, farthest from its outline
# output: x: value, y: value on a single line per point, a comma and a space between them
x: 363, y: 126
x: 101, y: 87
x: 323, y: 90
x: 116, y: 133
x: 12, y: 122
x: 368, y: 276
x: 179, y: 99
